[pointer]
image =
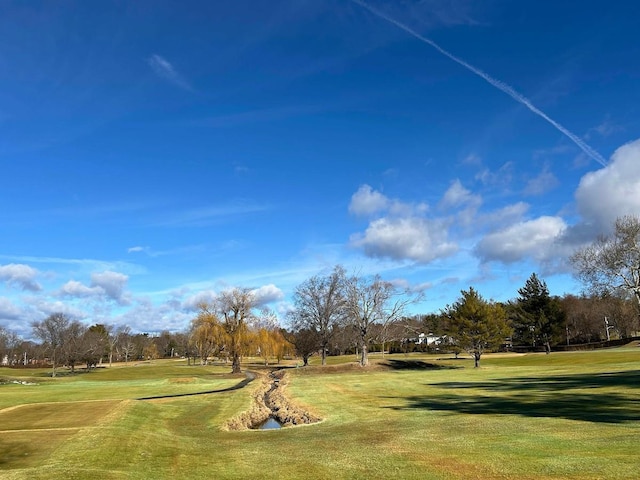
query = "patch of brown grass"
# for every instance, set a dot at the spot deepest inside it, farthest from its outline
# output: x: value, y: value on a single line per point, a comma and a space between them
x: 183, y: 380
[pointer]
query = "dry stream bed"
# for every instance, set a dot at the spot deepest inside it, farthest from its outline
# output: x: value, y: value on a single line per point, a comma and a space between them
x: 270, y: 402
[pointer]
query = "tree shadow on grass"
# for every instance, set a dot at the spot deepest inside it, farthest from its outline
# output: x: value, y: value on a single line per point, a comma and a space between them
x: 585, y: 407
x: 250, y: 378
x: 550, y: 397
x: 396, y: 364
x: 626, y: 379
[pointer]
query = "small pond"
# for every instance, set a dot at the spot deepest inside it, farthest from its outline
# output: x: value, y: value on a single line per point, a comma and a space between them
x: 270, y: 424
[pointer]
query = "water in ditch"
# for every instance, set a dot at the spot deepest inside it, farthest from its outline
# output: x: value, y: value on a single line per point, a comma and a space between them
x: 270, y: 424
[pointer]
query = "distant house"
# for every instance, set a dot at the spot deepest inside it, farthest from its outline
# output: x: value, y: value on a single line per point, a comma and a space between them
x: 429, y: 339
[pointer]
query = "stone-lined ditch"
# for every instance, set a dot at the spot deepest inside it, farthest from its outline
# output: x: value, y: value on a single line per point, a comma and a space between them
x: 269, y: 401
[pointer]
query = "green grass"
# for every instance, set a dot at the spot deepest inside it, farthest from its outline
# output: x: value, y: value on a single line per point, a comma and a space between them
x: 116, y: 383
x: 564, y: 415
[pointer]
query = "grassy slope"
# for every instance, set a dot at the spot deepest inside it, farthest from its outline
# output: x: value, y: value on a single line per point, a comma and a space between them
x: 566, y: 415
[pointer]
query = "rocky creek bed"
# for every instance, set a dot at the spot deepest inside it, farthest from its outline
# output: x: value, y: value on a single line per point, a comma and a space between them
x: 269, y: 400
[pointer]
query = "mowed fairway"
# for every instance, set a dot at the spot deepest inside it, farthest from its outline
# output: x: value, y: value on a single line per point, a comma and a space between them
x: 565, y: 415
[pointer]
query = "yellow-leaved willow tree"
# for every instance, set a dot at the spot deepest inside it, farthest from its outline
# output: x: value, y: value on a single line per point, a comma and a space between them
x: 230, y: 327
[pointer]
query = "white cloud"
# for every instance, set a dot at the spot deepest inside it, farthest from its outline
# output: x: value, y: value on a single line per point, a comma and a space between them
x: 137, y: 249
x: 44, y: 307
x: 404, y: 284
x: 606, y: 128
x: 530, y: 239
x: 164, y: 69
x: 402, y: 231
x: 193, y: 302
x: 21, y: 275
x: 472, y: 159
x: 500, y: 178
x: 147, y: 317
x: 76, y: 289
x: 108, y: 284
x: 263, y: 295
x: 458, y: 201
x: 506, y: 215
x: 457, y: 196
x: 411, y: 238
x: 601, y: 197
x: 113, y: 284
x: 8, y: 310
x: 367, y: 201
x: 267, y: 294
x: 612, y: 191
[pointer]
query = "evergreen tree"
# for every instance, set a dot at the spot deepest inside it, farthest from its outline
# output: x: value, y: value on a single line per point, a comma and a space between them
x: 537, y: 315
x: 477, y: 325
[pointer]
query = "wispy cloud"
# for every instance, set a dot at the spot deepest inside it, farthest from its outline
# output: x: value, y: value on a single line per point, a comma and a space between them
x: 150, y: 252
x: 164, y: 69
x: 542, y: 183
x: 472, y: 159
x: 86, y: 263
x: 207, y: 216
x: 502, y: 177
x: 605, y: 129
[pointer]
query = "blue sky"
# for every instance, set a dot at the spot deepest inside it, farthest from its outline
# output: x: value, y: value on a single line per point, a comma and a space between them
x: 156, y: 153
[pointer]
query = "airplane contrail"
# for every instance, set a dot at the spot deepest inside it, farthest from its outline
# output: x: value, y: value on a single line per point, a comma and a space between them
x: 518, y: 97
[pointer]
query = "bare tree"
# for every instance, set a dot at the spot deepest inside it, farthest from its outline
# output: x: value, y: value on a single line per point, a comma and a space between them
x: 126, y: 344
x: 620, y: 315
x: 52, y: 332
x: 183, y: 343
x: 392, y: 331
x: 320, y: 306
x: 611, y: 265
x: 371, y: 302
x: 9, y: 345
x: 115, y: 336
x: 583, y: 320
x: 73, y: 347
x: 94, y: 345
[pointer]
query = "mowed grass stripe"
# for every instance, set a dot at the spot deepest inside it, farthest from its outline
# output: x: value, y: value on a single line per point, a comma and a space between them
x: 55, y: 415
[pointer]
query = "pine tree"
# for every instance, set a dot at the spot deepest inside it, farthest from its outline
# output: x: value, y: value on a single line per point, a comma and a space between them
x: 477, y: 325
x: 540, y: 313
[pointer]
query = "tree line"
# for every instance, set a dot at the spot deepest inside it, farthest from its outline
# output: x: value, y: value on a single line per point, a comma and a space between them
x: 337, y: 313
x: 365, y: 311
